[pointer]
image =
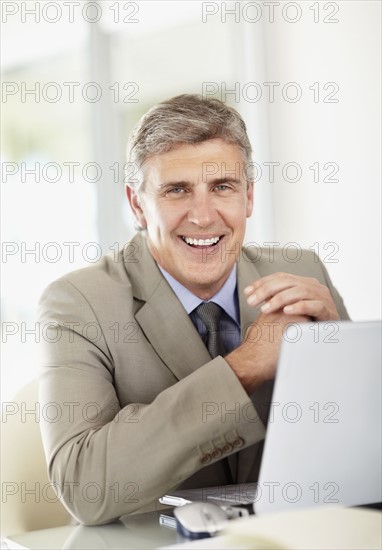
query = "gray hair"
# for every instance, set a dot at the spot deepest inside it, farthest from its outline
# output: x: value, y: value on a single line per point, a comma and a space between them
x: 184, y: 119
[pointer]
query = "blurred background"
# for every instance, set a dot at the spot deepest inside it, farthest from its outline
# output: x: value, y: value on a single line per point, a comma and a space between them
x: 77, y: 76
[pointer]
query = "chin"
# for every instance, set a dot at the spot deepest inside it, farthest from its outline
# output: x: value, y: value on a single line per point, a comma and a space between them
x: 206, y: 281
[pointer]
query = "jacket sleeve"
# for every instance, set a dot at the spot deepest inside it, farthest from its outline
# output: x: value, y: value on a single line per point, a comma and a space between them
x: 105, y: 461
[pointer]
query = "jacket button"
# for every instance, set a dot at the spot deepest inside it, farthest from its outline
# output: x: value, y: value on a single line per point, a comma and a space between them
x: 216, y: 453
x: 237, y: 443
x: 227, y: 448
x: 205, y: 459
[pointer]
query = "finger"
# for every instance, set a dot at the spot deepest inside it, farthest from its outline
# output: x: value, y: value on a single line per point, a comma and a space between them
x: 252, y: 287
x: 268, y: 289
x: 249, y: 290
x: 312, y: 308
x: 287, y: 297
x: 268, y: 279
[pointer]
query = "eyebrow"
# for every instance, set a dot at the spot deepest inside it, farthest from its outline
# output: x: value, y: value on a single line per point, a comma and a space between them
x: 218, y: 181
x: 173, y: 183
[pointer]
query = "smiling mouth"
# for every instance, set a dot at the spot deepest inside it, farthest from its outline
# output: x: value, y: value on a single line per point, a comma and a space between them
x: 212, y: 241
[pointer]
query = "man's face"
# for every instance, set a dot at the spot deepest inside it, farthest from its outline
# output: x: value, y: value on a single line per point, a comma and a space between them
x: 194, y: 206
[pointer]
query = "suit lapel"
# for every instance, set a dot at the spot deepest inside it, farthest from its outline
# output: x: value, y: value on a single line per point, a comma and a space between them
x: 171, y: 332
x: 162, y: 317
x: 246, y: 274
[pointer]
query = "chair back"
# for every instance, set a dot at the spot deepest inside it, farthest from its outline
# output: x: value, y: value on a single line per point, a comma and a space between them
x: 28, y: 500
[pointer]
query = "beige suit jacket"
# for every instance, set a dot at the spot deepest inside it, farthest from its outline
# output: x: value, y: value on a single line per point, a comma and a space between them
x: 132, y: 404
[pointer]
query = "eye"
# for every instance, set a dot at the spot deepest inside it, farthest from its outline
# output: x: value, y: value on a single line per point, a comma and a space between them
x: 177, y: 191
x: 221, y: 187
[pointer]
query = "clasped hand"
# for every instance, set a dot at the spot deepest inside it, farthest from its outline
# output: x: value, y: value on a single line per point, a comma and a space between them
x: 293, y: 295
x: 283, y: 299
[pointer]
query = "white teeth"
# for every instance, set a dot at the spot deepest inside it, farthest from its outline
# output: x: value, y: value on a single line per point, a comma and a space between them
x: 201, y: 242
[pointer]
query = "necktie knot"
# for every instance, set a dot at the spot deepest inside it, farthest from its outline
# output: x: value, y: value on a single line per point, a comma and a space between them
x: 210, y: 313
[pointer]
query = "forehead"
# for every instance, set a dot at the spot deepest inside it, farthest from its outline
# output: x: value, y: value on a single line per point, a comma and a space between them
x: 209, y: 159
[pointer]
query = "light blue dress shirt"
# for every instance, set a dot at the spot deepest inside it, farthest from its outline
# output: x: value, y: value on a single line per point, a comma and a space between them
x: 226, y: 298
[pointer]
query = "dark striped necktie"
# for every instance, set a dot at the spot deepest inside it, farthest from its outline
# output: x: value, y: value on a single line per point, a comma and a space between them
x: 210, y: 313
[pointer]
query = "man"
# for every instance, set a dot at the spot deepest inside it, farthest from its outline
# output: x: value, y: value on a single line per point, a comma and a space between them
x: 148, y: 402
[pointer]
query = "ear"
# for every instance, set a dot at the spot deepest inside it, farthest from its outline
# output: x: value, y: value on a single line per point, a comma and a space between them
x: 249, y: 198
x: 136, y: 207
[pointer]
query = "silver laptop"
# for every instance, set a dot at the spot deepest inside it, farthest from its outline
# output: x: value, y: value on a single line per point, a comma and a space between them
x: 323, y: 442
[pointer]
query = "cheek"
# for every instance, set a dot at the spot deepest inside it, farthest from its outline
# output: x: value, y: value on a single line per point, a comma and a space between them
x: 171, y: 216
x: 162, y: 220
x: 237, y: 214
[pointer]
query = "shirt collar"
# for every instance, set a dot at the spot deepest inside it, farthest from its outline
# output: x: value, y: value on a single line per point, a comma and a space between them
x: 226, y: 297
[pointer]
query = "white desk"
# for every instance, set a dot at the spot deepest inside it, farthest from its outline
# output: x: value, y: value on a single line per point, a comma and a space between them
x: 138, y: 531
x: 315, y: 529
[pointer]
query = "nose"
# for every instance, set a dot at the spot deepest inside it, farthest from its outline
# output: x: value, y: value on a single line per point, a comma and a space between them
x: 202, y: 211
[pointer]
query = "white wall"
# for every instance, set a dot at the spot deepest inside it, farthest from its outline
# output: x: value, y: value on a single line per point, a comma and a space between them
x: 347, y: 212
